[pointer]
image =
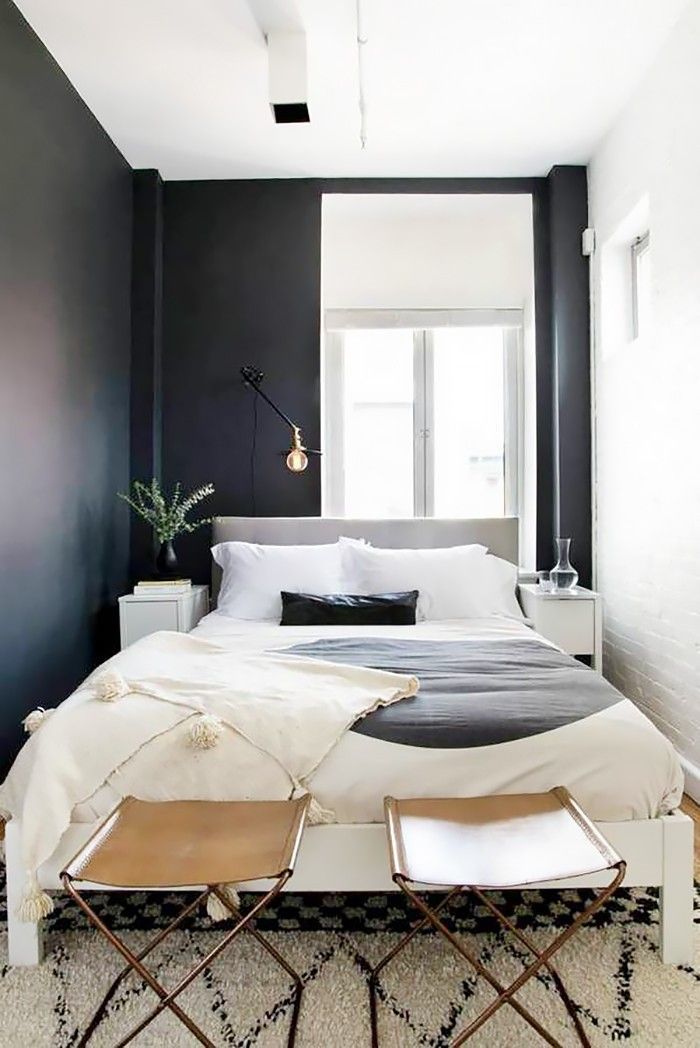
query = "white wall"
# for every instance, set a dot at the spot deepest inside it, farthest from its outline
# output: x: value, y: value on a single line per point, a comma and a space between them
x: 647, y: 395
x: 401, y: 251
x: 462, y: 251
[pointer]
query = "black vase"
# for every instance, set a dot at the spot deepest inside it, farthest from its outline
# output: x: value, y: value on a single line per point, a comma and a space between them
x: 166, y: 561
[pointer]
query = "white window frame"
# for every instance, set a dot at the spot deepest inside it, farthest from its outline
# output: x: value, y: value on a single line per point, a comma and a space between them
x: 640, y: 246
x: 422, y: 323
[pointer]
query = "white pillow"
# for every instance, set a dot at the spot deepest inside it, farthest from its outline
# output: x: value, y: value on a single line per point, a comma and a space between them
x: 254, y: 576
x: 492, y: 591
x: 443, y: 577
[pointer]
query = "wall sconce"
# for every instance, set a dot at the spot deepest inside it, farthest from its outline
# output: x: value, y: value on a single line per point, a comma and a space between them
x: 298, y: 455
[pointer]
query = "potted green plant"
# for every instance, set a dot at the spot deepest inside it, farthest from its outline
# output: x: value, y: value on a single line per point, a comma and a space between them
x: 167, y: 515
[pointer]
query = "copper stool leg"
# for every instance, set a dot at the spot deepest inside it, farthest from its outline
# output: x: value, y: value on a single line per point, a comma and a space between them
x: 167, y: 998
x: 294, y: 975
x: 558, y: 982
x: 476, y: 964
x: 129, y: 970
x: 505, y: 994
x: 541, y: 960
x: 374, y: 974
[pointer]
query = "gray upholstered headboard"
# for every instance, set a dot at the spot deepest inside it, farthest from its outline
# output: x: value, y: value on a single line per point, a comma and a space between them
x: 500, y: 534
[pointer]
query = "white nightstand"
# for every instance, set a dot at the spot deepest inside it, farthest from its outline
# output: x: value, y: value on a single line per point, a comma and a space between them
x: 572, y: 619
x: 140, y: 615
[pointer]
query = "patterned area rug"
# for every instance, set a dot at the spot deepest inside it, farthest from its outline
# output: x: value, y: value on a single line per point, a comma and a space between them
x: 612, y: 969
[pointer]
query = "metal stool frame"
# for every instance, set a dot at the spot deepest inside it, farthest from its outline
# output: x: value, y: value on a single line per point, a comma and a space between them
x: 505, y: 994
x: 168, y: 997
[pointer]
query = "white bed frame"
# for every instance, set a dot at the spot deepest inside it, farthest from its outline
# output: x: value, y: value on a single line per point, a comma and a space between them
x: 346, y: 858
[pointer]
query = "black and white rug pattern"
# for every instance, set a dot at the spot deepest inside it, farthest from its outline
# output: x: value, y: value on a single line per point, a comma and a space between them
x: 612, y: 969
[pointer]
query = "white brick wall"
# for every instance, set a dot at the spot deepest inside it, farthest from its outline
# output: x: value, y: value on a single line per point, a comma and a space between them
x: 647, y: 399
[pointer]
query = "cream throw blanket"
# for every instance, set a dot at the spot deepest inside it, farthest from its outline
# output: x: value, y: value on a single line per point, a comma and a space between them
x: 293, y: 709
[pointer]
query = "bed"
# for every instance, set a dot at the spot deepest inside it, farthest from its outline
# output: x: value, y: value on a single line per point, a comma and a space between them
x: 604, y: 750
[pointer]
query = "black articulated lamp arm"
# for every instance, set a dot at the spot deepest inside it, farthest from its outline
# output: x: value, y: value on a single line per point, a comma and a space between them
x: 297, y: 460
x: 253, y: 378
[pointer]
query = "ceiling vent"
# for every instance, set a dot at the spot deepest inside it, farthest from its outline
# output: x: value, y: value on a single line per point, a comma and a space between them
x: 287, y: 77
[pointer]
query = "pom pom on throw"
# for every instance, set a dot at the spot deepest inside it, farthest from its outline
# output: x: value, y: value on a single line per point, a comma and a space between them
x: 111, y: 686
x: 205, y: 731
x: 216, y: 909
x: 315, y: 815
x: 35, y: 719
x: 318, y: 816
x: 35, y: 904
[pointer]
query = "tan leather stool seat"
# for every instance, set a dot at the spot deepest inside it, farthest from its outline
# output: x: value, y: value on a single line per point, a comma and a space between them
x: 145, y: 844
x: 494, y: 842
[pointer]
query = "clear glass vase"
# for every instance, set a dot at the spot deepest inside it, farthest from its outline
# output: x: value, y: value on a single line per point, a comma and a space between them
x: 563, y: 576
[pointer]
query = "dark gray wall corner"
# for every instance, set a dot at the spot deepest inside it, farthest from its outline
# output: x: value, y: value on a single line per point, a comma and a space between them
x: 544, y: 374
x: 571, y: 415
x: 146, y: 350
x: 65, y: 246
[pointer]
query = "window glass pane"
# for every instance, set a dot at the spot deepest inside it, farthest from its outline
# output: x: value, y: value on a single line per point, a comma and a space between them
x: 378, y: 412
x: 468, y: 422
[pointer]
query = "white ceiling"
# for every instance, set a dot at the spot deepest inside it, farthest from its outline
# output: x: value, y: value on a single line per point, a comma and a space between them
x: 453, y: 87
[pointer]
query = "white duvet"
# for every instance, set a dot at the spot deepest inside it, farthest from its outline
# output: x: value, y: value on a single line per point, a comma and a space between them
x: 616, y: 763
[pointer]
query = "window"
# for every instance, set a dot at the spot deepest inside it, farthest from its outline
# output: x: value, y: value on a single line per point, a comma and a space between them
x: 421, y: 414
x: 641, y: 286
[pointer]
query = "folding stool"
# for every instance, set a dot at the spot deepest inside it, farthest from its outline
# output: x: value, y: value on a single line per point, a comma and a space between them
x: 498, y: 842
x: 184, y: 843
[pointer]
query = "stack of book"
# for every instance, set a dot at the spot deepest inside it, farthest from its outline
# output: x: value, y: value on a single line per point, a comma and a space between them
x: 159, y: 587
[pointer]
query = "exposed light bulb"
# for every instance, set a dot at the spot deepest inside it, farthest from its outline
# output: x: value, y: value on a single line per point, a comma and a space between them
x: 297, y: 460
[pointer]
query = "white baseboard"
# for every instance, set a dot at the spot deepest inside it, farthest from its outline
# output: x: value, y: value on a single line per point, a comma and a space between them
x: 692, y: 778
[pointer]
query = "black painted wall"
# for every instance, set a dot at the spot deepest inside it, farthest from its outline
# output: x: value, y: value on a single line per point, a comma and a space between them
x: 65, y: 240
x: 241, y: 284
x: 146, y: 423
x: 544, y: 375
x: 571, y: 399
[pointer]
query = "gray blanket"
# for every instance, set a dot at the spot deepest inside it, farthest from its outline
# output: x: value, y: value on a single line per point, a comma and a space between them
x: 472, y: 692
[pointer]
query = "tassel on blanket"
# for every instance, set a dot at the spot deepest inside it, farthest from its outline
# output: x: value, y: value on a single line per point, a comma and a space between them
x: 35, y: 719
x: 36, y: 903
x: 216, y: 909
x: 316, y: 815
x: 205, y: 731
x: 111, y: 686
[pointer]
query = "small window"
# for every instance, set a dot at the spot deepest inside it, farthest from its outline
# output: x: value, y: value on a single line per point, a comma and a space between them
x: 641, y: 286
x: 422, y: 421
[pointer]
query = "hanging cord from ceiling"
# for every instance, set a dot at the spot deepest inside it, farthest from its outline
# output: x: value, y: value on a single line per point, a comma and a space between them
x: 253, y: 449
x: 361, y: 42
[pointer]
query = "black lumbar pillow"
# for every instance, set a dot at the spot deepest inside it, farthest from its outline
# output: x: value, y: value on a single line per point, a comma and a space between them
x: 349, y: 609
